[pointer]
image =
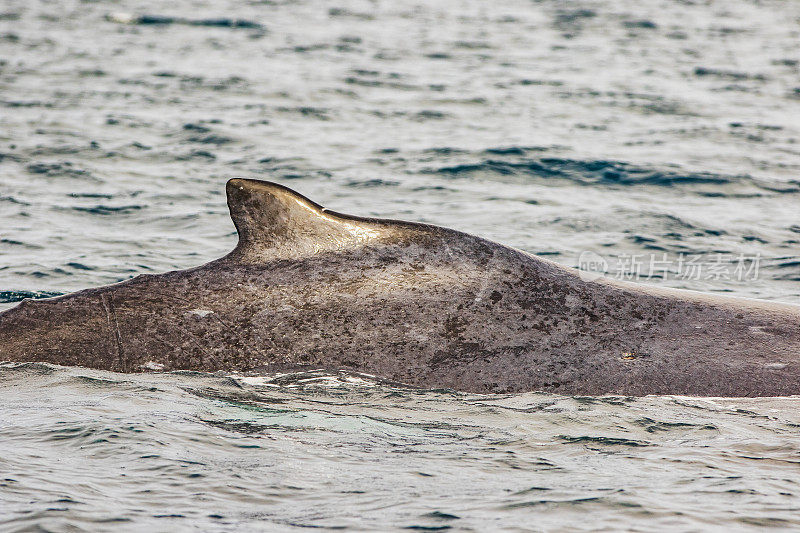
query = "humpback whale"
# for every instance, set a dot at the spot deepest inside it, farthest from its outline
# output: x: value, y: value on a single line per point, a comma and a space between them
x: 307, y: 287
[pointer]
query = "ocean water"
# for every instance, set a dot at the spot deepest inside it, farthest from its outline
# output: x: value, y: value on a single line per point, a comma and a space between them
x: 642, y: 133
x: 87, y: 450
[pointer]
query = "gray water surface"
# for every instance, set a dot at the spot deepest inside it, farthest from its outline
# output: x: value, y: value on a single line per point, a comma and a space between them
x: 99, y: 450
x: 615, y: 127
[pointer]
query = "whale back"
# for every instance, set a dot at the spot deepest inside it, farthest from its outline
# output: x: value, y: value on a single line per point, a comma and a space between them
x: 434, y: 307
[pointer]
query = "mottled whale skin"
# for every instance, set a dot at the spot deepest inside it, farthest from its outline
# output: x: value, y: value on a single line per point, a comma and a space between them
x: 428, y: 306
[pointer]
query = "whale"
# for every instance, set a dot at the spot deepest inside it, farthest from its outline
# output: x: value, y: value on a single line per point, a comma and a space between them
x: 417, y: 304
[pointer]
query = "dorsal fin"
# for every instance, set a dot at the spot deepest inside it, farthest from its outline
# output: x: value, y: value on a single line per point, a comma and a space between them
x: 275, y: 222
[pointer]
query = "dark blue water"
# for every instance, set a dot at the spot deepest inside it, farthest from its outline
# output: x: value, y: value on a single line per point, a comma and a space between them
x: 649, y: 134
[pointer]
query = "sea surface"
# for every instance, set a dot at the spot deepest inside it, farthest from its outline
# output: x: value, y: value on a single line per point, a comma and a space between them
x: 659, y: 140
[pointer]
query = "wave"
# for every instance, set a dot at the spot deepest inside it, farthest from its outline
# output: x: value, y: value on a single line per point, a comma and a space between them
x: 17, y: 296
x: 609, y: 173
